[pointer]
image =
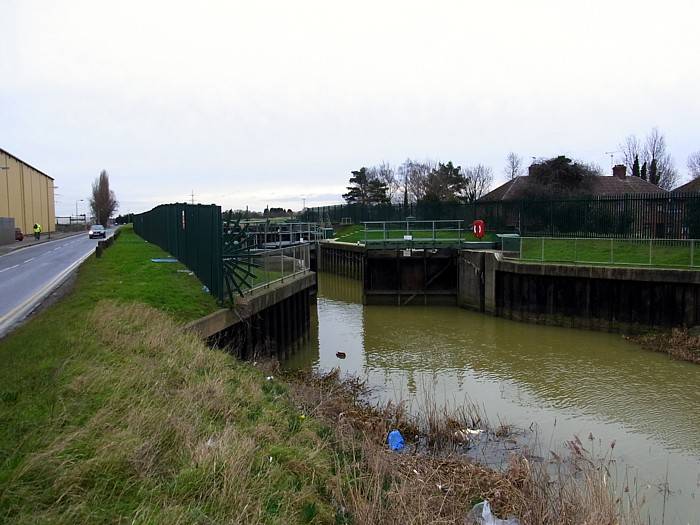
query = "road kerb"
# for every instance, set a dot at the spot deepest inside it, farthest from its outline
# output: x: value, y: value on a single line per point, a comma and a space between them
x: 19, y: 312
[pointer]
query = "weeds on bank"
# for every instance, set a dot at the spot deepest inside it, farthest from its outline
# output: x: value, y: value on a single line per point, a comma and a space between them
x: 679, y: 344
x: 432, y: 482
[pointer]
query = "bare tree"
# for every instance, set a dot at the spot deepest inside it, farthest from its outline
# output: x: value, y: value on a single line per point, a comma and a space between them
x: 631, y: 149
x: 478, y: 180
x: 661, y: 172
x: 386, y: 174
x: 414, y: 176
x: 514, y: 165
x: 694, y: 165
x: 103, y: 202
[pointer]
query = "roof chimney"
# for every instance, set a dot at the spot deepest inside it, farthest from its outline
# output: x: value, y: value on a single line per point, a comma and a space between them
x: 620, y: 171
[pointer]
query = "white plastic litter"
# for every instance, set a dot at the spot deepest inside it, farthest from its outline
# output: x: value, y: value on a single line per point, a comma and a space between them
x: 466, y: 433
x: 481, y: 515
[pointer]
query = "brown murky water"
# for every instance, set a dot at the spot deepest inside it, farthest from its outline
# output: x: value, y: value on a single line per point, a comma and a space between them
x: 567, y: 382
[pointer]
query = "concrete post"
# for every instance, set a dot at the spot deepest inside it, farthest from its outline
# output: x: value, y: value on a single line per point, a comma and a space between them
x: 490, y: 265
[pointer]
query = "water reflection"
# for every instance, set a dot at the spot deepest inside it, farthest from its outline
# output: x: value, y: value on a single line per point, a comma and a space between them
x: 567, y: 381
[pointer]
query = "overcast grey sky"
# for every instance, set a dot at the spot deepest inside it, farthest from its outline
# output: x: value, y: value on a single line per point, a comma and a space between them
x: 268, y: 102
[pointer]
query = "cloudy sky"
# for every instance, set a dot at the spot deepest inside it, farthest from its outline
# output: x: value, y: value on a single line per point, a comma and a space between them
x: 266, y: 102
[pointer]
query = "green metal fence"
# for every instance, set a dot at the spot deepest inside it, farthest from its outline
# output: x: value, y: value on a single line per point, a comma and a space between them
x: 673, y: 253
x: 192, y: 234
x: 665, y: 215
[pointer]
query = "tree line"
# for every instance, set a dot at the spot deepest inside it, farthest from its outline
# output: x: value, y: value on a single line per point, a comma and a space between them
x: 650, y: 160
x: 415, y: 181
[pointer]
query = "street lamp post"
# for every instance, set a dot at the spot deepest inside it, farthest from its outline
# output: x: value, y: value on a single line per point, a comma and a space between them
x: 76, y: 206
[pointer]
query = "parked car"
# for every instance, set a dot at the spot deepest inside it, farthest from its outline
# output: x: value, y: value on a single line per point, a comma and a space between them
x: 19, y: 236
x: 97, y: 230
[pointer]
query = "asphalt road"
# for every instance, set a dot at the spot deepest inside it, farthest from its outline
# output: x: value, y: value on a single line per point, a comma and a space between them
x: 29, y: 275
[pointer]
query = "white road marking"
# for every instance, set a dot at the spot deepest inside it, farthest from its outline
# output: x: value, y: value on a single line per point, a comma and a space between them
x: 19, y: 312
x: 9, y: 268
x: 29, y: 260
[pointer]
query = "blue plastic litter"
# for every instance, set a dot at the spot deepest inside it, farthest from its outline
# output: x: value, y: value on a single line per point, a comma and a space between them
x: 164, y: 260
x: 395, y: 440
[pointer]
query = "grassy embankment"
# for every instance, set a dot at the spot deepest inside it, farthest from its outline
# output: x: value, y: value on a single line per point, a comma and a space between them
x: 111, y: 413
x: 623, y: 252
x: 355, y: 233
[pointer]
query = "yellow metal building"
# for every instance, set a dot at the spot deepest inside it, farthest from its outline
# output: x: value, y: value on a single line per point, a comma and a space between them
x: 26, y: 194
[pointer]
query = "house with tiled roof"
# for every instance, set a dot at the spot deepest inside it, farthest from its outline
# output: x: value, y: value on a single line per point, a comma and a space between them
x: 619, y: 183
x: 620, y: 192
x: 688, y: 187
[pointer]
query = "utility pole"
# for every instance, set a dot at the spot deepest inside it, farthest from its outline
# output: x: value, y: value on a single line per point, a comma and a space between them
x: 192, y: 196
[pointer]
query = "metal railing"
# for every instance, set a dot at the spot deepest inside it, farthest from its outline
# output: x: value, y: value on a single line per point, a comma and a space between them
x: 670, y: 253
x: 272, y: 266
x: 402, y: 232
x: 641, y: 215
x: 268, y: 234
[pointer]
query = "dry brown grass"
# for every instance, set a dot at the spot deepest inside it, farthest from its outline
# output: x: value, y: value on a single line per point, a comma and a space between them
x: 434, y: 483
x: 679, y: 344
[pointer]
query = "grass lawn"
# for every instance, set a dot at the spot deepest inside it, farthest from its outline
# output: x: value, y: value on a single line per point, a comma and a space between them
x: 625, y: 252
x: 110, y: 413
x: 354, y: 233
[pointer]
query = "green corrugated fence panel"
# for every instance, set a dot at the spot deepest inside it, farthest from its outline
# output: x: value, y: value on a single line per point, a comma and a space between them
x: 192, y: 234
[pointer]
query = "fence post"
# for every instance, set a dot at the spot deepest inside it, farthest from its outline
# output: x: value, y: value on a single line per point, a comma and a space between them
x: 692, y: 252
x: 612, y: 251
x: 650, y: 241
x: 282, y: 262
x: 575, y: 250
x: 520, y: 242
x: 542, y: 255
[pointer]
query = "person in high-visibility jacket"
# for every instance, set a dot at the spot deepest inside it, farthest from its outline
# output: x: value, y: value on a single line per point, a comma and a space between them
x: 37, y: 231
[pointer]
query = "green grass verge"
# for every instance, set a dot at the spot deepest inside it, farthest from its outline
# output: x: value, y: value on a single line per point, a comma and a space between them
x: 110, y: 413
x: 620, y: 252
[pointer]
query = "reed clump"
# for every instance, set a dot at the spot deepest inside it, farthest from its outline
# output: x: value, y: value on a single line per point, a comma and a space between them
x: 679, y: 344
x: 433, y: 481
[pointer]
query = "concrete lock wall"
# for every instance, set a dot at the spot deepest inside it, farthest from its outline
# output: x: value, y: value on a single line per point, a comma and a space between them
x: 592, y: 297
x: 26, y: 194
x: 271, y: 321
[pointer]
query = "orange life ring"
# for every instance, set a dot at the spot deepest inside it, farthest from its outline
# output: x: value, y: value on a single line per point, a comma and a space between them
x: 479, y: 228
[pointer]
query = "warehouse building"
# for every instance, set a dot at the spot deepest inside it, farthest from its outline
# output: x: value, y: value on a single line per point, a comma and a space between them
x: 26, y: 194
